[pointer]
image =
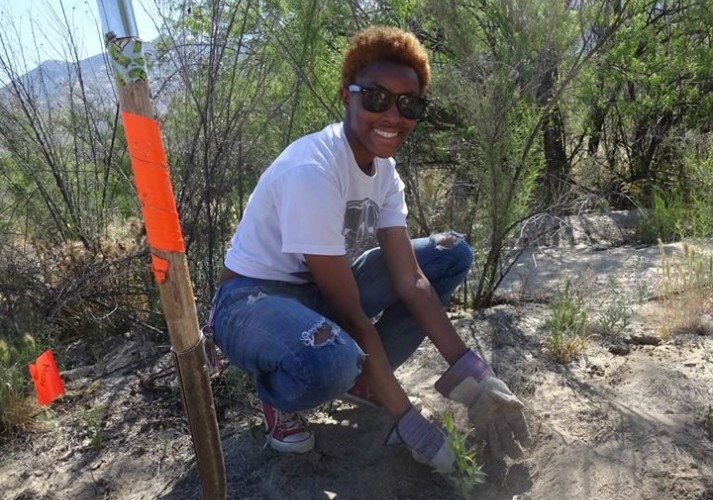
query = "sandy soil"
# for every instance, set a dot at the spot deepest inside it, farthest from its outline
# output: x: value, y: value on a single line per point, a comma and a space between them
x: 629, y: 425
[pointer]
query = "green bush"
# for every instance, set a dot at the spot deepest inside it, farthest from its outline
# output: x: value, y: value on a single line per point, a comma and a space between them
x: 662, y: 221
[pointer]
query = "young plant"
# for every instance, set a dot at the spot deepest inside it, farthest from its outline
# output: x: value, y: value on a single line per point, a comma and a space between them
x: 468, y: 474
x: 567, y: 324
x: 616, y: 312
x: 93, y: 422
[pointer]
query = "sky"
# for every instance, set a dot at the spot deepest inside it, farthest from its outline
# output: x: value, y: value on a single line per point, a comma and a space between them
x: 26, y: 21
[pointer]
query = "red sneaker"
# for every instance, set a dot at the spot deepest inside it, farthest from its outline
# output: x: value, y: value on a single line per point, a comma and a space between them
x: 286, y: 432
x: 361, y: 394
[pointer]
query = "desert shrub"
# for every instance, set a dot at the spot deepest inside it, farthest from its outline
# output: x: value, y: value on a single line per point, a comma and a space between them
x: 615, y: 312
x: 99, y: 292
x: 679, y: 213
x: 567, y: 324
x: 615, y: 317
x: 22, y: 323
x: 662, y: 221
x: 72, y: 290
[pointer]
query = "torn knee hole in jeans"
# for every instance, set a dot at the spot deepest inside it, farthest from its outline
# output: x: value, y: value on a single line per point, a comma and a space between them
x: 320, y: 335
x: 447, y: 240
x: 256, y: 297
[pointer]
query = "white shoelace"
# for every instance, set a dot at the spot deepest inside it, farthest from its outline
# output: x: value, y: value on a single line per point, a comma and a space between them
x: 289, y: 421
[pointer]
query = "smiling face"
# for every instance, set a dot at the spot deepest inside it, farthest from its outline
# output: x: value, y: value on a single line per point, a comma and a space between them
x: 378, y: 134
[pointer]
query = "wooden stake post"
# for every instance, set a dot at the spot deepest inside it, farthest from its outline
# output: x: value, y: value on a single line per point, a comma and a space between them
x: 168, y: 258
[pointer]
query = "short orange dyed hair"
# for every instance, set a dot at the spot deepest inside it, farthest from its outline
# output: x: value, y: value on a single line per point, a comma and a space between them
x: 385, y: 43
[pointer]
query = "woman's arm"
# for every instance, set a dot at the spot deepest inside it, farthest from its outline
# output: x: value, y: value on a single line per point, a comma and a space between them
x: 334, y: 278
x: 417, y: 294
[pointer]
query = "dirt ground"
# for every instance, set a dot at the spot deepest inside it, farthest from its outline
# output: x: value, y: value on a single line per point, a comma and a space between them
x: 630, y: 419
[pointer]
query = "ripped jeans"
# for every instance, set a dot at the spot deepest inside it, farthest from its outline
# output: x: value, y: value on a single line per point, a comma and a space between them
x: 276, y: 330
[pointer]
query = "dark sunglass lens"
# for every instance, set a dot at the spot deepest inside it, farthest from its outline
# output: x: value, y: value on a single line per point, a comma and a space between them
x: 411, y: 107
x: 377, y: 100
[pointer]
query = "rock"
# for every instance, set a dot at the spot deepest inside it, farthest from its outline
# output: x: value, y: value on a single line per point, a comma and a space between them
x: 704, y: 325
x: 643, y: 339
x: 620, y: 349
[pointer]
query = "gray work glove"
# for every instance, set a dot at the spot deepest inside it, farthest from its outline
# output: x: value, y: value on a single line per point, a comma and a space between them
x: 428, y: 443
x: 492, y: 408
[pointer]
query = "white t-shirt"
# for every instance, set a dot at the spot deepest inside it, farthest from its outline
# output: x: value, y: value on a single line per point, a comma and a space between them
x: 314, y: 199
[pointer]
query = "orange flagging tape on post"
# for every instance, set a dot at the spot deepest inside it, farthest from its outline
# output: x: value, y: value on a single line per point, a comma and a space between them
x: 46, y: 377
x: 153, y: 182
x: 159, y: 267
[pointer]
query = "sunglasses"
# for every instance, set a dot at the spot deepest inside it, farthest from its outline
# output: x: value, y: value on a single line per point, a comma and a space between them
x: 378, y: 100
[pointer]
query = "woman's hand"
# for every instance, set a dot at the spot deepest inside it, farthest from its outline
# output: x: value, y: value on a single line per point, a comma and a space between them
x: 428, y: 443
x: 493, y: 409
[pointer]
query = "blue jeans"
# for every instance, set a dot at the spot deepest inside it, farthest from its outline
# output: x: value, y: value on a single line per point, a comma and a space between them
x: 268, y: 328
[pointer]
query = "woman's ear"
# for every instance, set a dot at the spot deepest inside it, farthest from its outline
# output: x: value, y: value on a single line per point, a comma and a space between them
x: 344, y: 94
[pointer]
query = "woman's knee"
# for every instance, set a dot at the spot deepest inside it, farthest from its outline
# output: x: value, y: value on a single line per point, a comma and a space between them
x: 330, y: 361
x: 457, y: 248
x: 337, y: 360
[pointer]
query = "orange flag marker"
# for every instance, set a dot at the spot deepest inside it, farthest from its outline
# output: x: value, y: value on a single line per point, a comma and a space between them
x: 46, y: 377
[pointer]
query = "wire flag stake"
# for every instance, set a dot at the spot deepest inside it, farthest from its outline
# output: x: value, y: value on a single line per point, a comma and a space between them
x: 168, y: 259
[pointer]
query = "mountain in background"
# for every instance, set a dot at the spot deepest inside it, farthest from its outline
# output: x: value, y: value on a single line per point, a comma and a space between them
x: 53, y: 83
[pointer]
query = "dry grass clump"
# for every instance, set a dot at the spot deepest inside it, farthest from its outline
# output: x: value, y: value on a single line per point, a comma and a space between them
x: 686, y: 292
x: 99, y: 289
x: 566, y: 326
x: 17, y: 409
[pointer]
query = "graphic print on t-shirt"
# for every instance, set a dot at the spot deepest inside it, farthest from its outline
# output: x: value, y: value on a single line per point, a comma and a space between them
x: 360, y: 218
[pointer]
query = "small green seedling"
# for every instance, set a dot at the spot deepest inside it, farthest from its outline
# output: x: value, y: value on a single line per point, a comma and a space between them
x: 468, y: 474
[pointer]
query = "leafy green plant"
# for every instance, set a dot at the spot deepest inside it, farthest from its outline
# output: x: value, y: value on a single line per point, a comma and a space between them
x: 566, y: 325
x: 615, y: 318
x: 615, y: 312
x: 468, y: 474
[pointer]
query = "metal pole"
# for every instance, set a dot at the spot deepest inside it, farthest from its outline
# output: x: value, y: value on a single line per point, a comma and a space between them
x: 163, y: 231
